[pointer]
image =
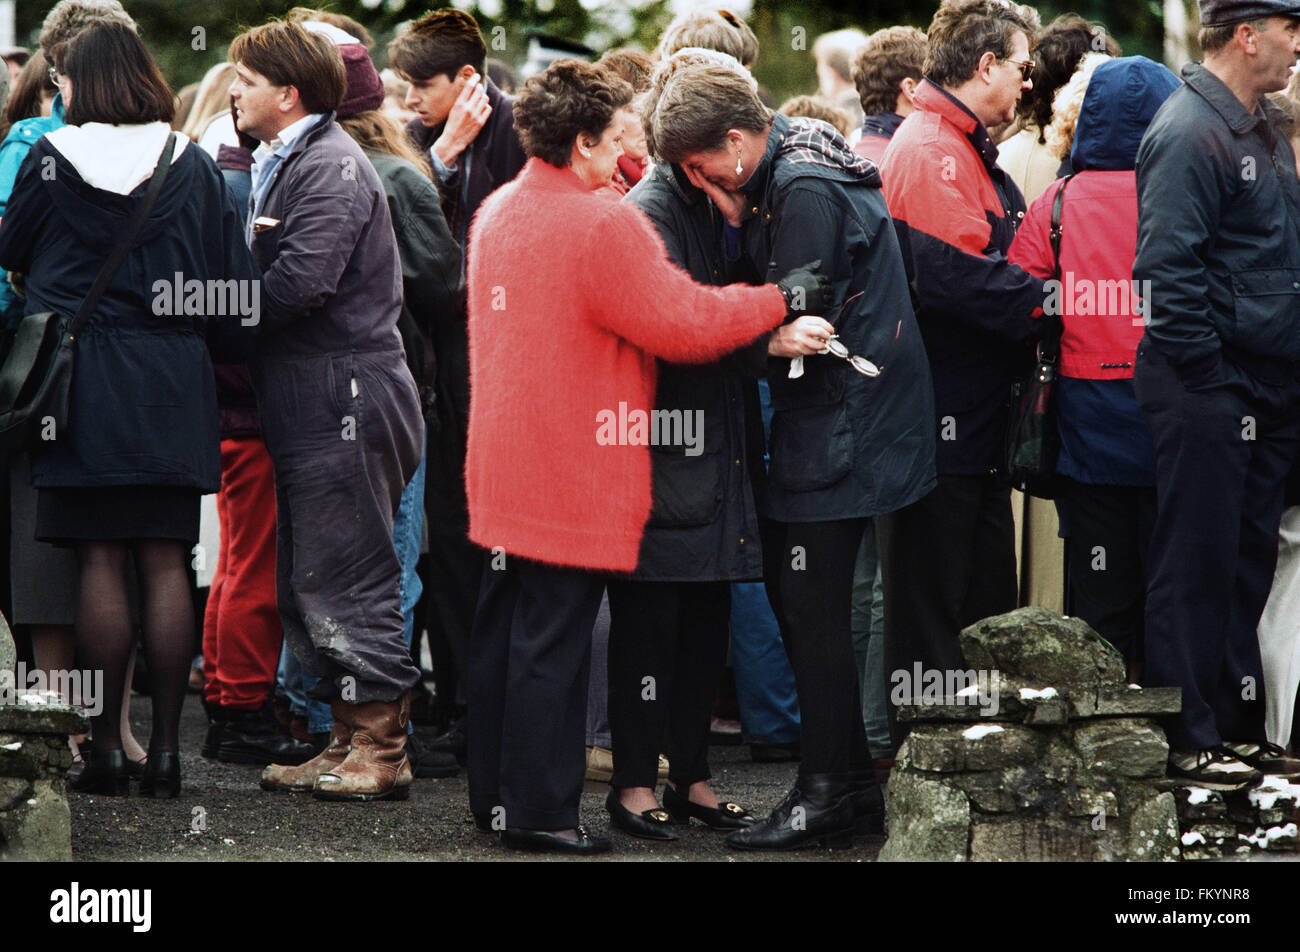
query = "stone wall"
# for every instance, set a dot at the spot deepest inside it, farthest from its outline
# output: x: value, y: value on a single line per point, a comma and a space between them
x: 1067, y: 764
x: 35, y: 823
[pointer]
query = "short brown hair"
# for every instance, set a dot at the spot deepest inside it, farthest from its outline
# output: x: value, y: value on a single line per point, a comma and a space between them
x: 70, y: 17
x: 114, y: 78
x: 890, y: 56
x: 631, y: 65
x: 697, y: 106
x: 438, y: 44
x: 666, y: 69
x: 1215, y: 38
x: 719, y: 30
x: 962, y: 31
x: 571, y: 97
x: 815, y: 107
x: 345, y: 23
x: 289, y: 54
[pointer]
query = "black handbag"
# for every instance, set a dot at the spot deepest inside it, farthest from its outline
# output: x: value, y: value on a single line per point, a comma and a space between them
x: 1033, y: 441
x: 36, y: 375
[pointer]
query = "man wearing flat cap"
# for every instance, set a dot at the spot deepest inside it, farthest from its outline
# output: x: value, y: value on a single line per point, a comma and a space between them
x: 1218, y: 378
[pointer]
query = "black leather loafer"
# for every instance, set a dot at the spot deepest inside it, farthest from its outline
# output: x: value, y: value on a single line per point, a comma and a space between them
x: 726, y: 816
x: 650, y: 825
x: 539, y: 841
x: 162, y: 776
x: 105, y: 773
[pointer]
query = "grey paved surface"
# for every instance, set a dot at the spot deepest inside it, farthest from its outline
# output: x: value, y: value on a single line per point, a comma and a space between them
x: 241, y: 822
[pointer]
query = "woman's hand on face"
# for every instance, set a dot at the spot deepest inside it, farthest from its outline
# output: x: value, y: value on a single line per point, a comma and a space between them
x: 802, y: 337
x: 731, y: 204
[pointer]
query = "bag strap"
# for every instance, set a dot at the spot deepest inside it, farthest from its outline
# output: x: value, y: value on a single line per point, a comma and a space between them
x: 1049, y: 348
x: 124, y: 244
x: 1058, y: 205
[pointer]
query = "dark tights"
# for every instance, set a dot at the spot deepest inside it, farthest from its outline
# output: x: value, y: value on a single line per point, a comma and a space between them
x: 105, y: 633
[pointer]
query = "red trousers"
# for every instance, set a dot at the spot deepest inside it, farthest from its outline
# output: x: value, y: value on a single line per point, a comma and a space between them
x: 241, y: 629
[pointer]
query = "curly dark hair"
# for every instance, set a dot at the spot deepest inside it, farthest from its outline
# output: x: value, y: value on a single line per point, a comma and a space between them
x: 1061, y: 46
x: 571, y: 97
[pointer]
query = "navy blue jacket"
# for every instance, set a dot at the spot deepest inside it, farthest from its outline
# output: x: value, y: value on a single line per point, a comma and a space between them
x: 703, y: 521
x: 1218, y: 210
x: 144, y: 405
x: 842, y: 445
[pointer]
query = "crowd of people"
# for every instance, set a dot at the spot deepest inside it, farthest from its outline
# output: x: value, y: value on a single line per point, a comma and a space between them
x: 597, y: 382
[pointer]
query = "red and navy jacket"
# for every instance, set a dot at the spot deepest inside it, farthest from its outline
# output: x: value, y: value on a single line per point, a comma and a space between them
x: 956, y: 213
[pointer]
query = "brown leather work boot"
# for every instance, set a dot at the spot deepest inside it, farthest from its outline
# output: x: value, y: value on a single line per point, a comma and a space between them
x: 376, y: 767
x: 300, y: 779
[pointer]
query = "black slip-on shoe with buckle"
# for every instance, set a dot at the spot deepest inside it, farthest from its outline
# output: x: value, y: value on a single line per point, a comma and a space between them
x: 540, y: 841
x: 653, y: 824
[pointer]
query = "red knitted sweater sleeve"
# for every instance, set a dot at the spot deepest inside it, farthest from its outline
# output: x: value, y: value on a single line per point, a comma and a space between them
x: 657, y: 306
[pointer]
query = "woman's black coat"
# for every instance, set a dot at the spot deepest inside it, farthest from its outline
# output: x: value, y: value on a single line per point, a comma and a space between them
x: 143, y: 404
x: 703, y: 525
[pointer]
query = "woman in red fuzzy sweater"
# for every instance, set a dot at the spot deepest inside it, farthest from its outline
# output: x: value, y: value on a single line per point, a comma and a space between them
x: 571, y: 299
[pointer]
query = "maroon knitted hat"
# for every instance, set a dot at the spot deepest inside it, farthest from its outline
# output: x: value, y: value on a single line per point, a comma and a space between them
x: 365, y: 88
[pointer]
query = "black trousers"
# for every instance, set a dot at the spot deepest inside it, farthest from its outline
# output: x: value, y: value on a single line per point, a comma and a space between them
x: 946, y: 561
x: 529, y: 656
x: 455, y: 565
x: 667, y: 649
x: 1223, y: 452
x: 808, y: 570
x: 1107, y: 531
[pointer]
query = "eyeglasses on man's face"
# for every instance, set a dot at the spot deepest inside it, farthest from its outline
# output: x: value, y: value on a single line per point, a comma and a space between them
x: 1026, y: 68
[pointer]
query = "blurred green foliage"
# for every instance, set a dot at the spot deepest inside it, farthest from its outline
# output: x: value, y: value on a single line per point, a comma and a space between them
x: 188, y: 36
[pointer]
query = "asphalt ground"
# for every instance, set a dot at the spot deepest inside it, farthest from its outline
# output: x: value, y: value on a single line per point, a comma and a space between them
x: 223, y: 815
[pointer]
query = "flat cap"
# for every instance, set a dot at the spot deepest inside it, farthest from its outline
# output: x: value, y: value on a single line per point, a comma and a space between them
x: 1223, y: 12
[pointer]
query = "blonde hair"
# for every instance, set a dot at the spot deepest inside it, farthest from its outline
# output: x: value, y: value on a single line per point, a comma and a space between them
x: 211, y: 100
x: 716, y: 29
x: 1068, y: 103
x: 815, y: 107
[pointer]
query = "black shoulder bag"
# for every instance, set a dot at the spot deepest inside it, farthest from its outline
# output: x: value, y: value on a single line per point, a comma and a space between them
x: 36, y: 376
x: 1033, y: 440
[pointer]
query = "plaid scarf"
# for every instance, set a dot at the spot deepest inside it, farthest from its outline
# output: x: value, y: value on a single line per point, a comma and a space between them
x: 819, y: 143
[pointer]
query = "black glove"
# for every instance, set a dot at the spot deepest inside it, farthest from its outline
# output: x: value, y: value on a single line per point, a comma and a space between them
x: 806, y: 290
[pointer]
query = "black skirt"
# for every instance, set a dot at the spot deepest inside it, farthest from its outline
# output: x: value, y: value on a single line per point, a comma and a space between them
x: 117, y: 514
